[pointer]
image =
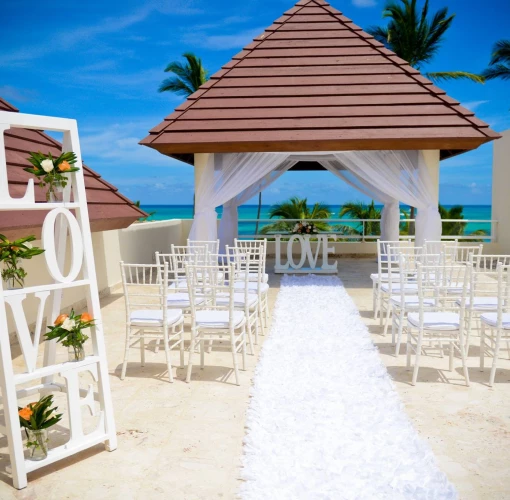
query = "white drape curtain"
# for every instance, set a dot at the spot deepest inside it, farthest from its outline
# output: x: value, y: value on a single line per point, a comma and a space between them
x: 226, y: 176
x: 390, y: 215
x: 402, y: 175
x: 229, y: 222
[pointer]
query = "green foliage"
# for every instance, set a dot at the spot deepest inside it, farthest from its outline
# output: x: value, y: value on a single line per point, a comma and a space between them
x: 72, y: 336
x: 297, y: 208
x: 358, y: 210
x: 499, y: 65
x: 41, y: 415
x: 188, y: 76
x: 11, y: 252
x: 453, y: 228
x: 56, y: 176
x: 415, y: 36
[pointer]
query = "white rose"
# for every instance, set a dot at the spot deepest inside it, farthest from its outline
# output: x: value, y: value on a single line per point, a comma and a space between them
x: 47, y: 165
x: 68, y: 324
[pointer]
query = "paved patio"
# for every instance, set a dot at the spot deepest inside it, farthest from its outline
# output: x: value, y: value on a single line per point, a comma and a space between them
x: 185, y: 440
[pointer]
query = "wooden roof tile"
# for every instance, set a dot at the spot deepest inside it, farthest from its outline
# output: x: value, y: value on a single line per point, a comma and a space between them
x: 108, y: 208
x: 316, y: 81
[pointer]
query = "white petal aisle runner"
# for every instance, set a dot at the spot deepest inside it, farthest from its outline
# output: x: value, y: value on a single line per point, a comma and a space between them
x: 325, y: 421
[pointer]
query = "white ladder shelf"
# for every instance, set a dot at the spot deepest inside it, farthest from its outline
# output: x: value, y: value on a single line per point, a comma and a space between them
x: 57, y: 224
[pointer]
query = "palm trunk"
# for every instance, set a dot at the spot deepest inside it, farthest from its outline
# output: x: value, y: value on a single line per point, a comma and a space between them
x: 258, y: 213
x: 411, y: 224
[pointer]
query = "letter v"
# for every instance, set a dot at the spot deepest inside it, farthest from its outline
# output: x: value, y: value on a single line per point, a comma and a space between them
x: 28, y: 347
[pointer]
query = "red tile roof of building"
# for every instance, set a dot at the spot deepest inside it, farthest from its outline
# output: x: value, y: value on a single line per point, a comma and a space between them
x: 108, y: 208
x: 315, y: 81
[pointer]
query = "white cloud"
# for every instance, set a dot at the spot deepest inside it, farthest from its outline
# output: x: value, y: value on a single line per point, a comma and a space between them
x: 472, y: 105
x: 222, y: 42
x: 16, y: 94
x: 364, y: 3
x: 67, y: 39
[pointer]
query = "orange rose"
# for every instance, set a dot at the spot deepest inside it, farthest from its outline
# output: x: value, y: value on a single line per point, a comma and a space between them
x: 64, y: 166
x: 25, y: 413
x: 61, y: 319
x: 86, y: 317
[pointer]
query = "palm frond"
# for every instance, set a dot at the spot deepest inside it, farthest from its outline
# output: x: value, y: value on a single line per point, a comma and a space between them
x: 188, y: 77
x: 497, y: 71
x: 500, y: 52
x: 443, y: 76
x: 176, y: 86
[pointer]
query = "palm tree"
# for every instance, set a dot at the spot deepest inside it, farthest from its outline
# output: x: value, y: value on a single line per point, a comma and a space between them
x: 416, y: 38
x: 189, y: 76
x: 358, y: 210
x: 297, y: 208
x: 499, y: 65
x: 452, y: 228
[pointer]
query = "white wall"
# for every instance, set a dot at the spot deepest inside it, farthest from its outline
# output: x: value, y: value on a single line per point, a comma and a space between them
x: 500, y: 191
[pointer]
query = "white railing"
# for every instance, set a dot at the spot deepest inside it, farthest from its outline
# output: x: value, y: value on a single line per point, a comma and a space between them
x: 362, y: 225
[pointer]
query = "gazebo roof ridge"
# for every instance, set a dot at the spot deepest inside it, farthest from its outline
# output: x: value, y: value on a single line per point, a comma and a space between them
x: 312, y: 81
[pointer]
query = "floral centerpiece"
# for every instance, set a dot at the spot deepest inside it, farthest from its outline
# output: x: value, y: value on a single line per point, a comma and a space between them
x: 52, y: 172
x: 68, y: 330
x: 303, y: 227
x: 36, y: 418
x: 11, y: 253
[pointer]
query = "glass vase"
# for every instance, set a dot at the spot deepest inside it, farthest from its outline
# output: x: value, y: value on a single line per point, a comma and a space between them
x: 55, y: 193
x: 76, y: 353
x: 37, y: 444
x: 11, y: 282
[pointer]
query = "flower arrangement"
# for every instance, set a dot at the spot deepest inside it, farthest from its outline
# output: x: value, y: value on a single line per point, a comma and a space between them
x: 68, y: 330
x: 303, y: 227
x: 11, y: 253
x: 36, y: 418
x: 51, y: 172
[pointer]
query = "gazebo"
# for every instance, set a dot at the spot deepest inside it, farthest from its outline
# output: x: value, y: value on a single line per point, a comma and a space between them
x: 314, y: 91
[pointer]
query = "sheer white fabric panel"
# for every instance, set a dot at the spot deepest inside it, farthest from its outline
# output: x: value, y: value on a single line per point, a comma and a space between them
x: 228, y: 229
x: 402, y: 175
x: 225, y: 176
x: 390, y: 215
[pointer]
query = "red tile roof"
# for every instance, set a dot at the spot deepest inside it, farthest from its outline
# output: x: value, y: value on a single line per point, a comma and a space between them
x: 315, y: 81
x: 108, y: 208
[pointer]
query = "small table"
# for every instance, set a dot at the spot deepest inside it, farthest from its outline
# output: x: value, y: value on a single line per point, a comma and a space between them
x: 307, y: 255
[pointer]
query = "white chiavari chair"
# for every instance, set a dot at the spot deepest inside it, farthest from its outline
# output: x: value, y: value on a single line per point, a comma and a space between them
x: 257, y: 250
x: 404, y: 298
x: 495, y: 326
x: 382, y: 275
x: 445, y: 324
x: 217, y: 317
x: 489, y: 262
x: 147, y: 314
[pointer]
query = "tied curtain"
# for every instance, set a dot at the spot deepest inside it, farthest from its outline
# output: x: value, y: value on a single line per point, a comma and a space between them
x: 230, y: 179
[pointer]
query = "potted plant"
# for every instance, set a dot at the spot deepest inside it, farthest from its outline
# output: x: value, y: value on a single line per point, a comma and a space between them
x: 68, y: 330
x: 52, y: 172
x: 36, y: 418
x: 11, y: 254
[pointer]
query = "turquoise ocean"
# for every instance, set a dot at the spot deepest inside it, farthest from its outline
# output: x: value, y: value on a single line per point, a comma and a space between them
x: 165, y: 212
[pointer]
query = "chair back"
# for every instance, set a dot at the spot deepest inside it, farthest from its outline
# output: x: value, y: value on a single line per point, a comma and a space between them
x: 256, y: 248
x: 489, y: 262
x: 487, y: 283
x: 461, y: 254
x: 145, y: 286
x: 440, y: 246
x: 199, y: 245
x: 503, y: 291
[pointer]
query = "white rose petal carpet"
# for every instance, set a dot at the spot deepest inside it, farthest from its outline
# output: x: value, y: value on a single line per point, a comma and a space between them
x: 325, y: 421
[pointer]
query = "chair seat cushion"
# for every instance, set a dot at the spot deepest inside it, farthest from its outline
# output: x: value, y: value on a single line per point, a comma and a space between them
x: 252, y: 286
x: 491, y: 319
x: 254, y: 276
x: 412, y: 301
x: 435, y: 320
x: 154, y: 317
x: 481, y: 303
x: 181, y: 300
x: 384, y: 277
x: 456, y: 288
x: 395, y: 288
x: 179, y: 285
x: 239, y: 300
x: 218, y: 319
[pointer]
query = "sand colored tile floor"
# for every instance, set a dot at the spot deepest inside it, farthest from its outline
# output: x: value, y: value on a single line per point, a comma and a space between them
x: 184, y: 441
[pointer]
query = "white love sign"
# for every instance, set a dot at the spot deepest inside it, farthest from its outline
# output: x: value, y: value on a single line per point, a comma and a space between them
x: 306, y: 254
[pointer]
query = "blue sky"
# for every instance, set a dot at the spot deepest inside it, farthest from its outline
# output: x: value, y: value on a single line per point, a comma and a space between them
x: 102, y: 62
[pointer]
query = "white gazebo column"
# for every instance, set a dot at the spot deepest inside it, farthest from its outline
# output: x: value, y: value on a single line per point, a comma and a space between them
x: 500, y: 194
x: 200, y: 165
x: 428, y: 221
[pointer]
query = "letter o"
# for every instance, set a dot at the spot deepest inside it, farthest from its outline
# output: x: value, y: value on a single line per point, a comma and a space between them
x: 290, y: 257
x: 48, y: 243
